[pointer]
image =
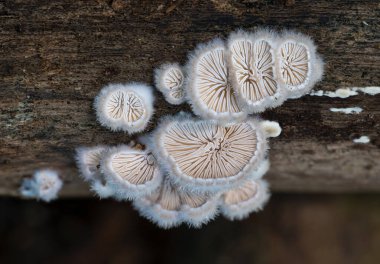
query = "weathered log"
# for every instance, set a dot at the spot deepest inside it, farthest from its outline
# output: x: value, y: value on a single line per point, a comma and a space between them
x: 56, y: 55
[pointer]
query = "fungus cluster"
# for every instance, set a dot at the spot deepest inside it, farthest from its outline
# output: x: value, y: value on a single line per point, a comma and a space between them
x: 189, y: 168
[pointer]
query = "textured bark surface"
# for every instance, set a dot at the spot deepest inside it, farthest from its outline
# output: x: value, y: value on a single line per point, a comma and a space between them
x: 56, y: 55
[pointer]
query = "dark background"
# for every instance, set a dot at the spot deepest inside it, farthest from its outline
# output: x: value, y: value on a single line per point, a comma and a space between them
x: 293, y: 228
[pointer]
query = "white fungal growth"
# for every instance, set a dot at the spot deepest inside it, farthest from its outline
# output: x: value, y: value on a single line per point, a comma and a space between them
x: 362, y: 140
x: 240, y: 202
x: 126, y: 107
x: 131, y: 172
x: 88, y: 161
x: 203, y: 156
x: 209, y: 89
x: 169, y: 80
x: 349, y: 110
x: 44, y: 185
x: 299, y: 66
x: 371, y: 90
x: 271, y: 128
x: 252, y: 67
x: 340, y: 93
x: 170, y: 206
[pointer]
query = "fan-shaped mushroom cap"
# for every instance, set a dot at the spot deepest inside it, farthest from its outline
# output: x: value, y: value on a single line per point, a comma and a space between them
x: 253, y: 71
x: 202, y: 156
x: 88, y: 161
x: 169, y: 80
x: 208, y: 89
x: 131, y: 172
x: 126, y: 107
x: 44, y: 185
x: 197, y: 208
x: 162, y: 207
x: 299, y: 66
x: 240, y: 202
x: 171, y: 205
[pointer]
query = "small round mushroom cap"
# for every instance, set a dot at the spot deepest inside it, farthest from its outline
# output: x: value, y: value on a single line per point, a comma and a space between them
x: 299, y: 66
x: 125, y: 107
x: 240, y: 202
x: 88, y: 161
x: 131, y: 172
x: 253, y: 72
x: 169, y: 80
x: 162, y: 207
x: 171, y: 205
x: 209, y: 89
x: 202, y: 156
x: 271, y: 128
x: 44, y: 185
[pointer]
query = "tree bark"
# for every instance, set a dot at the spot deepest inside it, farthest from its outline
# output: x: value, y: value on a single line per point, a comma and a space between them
x: 56, y: 55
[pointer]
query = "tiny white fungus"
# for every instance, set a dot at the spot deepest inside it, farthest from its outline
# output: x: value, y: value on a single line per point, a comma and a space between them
x: 169, y: 80
x: 271, y: 128
x: 126, y: 107
x: 240, y: 202
x: 44, y: 185
x: 362, y: 140
x: 88, y: 161
x: 349, y: 110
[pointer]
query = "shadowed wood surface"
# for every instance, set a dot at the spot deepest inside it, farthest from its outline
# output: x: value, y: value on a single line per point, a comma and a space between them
x: 293, y: 228
x: 56, y: 55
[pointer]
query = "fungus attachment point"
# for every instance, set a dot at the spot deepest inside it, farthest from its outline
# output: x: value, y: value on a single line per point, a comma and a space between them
x: 131, y: 172
x: 169, y: 79
x: 299, y: 66
x: 240, y: 202
x: 209, y: 90
x: 44, y: 185
x: 126, y: 107
x: 252, y: 67
x: 203, y: 156
x: 170, y: 206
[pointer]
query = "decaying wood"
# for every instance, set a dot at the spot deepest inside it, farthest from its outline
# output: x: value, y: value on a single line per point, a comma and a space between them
x: 56, y: 55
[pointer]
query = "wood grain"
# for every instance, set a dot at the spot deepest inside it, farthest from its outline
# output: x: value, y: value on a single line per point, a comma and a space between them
x: 56, y: 55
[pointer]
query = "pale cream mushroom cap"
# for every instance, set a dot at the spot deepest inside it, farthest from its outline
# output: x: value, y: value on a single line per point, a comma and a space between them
x: 88, y: 161
x: 299, y: 67
x: 131, y: 172
x: 125, y: 107
x: 171, y: 205
x: 202, y: 156
x: 240, y: 202
x: 209, y: 90
x: 253, y: 72
x: 169, y: 79
x: 271, y: 128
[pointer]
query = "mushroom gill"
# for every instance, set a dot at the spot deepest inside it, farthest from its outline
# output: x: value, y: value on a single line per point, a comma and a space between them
x: 299, y: 65
x: 252, y: 67
x: 126, y: 107
x: 204, y: 156
x: 88, y: 161
x: 209, y: 90
x: 131, y: 172
x: 170, y: 206
x: 169, y: 79
x: 250, y: 197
